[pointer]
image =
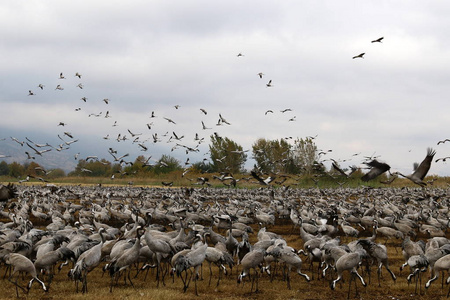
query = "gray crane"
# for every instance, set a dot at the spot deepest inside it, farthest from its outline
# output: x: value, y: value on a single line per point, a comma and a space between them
x: 192, y: 259
x: 420, y: 171
x: 441, y: 265
x: 348, y: 262
x: 379, y: 253
x: 21, y: 263
x: 126, y: 260
x: 252, y: 260
x: 86, y: 262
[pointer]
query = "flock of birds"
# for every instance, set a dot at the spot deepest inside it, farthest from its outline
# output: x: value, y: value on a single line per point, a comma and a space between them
x: 126, y: 231
x: 143, y: 136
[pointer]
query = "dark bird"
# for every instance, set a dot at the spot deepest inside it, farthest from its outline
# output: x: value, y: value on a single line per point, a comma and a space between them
x: 442, y: 158
x: 169, y: 120
x: 262, y: 181
x: 443, y: 141
x: 41, y: 86
x: 61, y: 76
x: 203, y: 111
x: 222, y: 119
x: 359, y: 55
x: 106, y: 100
x: 84, y: 99
x: 378, y: 40
x: 269, y: 84
x: 268, y: 111
x: 376, y: 169
x: 285, y: 110
x: 240, y: 54
x: 30, y: 93
x: 420, y: 171
x: 77, y: 75
x: 204, y: 126
x: 260, y: 74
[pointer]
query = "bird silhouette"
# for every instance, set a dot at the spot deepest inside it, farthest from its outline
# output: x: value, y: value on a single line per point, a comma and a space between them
x: 361, y: 55
x: 420, y: 171
x: 377, y: 40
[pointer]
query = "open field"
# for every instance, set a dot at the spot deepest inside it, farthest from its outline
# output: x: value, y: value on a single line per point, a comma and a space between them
x: 318, y: 288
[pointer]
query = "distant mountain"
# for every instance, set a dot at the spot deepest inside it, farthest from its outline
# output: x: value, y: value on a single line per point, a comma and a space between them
x: 49, y: 160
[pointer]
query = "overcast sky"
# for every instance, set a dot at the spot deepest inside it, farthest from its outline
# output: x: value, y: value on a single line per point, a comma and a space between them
x: 149, y: 56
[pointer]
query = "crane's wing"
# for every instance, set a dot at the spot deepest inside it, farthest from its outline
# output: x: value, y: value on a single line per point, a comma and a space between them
x: 422, y: 170
x: 336, y: 167
x: 377, y: 168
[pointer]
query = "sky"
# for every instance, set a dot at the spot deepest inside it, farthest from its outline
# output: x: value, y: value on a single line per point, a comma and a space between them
x: 149, y: 56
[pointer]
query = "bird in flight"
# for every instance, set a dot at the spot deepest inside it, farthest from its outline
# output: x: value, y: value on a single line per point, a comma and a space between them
x: 376, y: 169
x: 285, y: 110
x: 61, y: 76
x: 378, y: 40
x: 78, y: 75
x: 443, y: 141
x: 30, y: 93
x: 203, y: 111
x: 268, y: 111
x: 41, y: 86
x: 260, y: 74
x: 169, y: 120
x: 420, y: 171
x: 240, y: 54
x: 269, y: 84
x: 361, y: 55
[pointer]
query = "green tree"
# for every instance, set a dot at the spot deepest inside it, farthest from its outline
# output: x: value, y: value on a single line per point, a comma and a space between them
x: 97, y: 168
x: 226, y: 155
x: 305, y: 154
x: 202, y: 167
x: 167, y: 164
x: 31, y: 169
x: 16, y: 169
x: 273, y: 155
x: 4, y: 168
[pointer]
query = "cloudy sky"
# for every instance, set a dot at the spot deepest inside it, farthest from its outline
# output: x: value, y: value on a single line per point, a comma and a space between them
x: 148, y: 56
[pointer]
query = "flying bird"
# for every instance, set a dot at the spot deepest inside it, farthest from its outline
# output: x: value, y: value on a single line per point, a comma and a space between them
x: 376, y: 169
x: 378, y: 40
x: 265, y: 181
x: 268, y: 111
x: 106, y: 100
x: 61, y: 76
x: 77, y: 75
x: 420, y: 171
x: 30, y: 93
x: 222, y: 119
x: 203, y: 111
x: 204, y: 126
x: 240, y: 54
x: 269, y: 84
x: 260, y: 74
x: 361, y: 55
x: 41, y: 86
x: 169, y: 120
x: 59, y: 87
x: 80, y: 85
x: 443, y: 141
x: 286, y: 110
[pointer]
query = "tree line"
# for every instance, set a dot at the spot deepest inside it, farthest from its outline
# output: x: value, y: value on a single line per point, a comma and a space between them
x: 225, y: 155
